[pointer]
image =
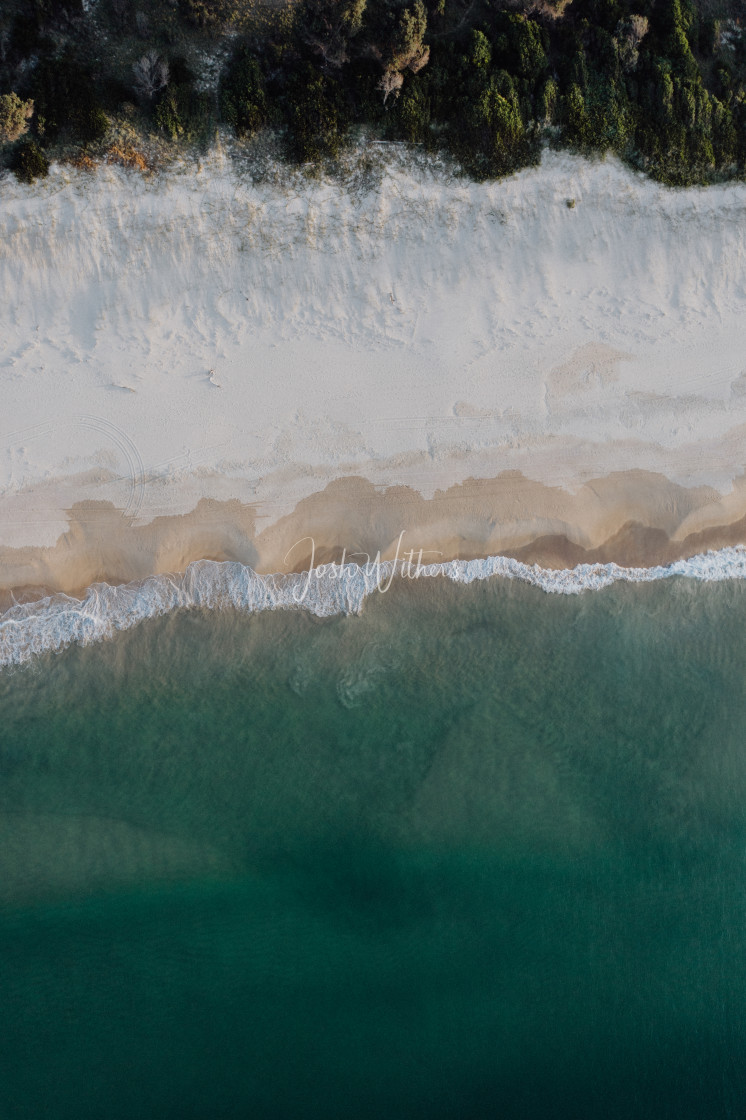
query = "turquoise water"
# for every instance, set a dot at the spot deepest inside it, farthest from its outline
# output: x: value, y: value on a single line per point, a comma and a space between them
x: 477, y: 852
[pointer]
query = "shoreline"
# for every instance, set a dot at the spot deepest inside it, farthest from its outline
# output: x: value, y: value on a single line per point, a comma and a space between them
x: 632, y: 519
x: 58, y: 621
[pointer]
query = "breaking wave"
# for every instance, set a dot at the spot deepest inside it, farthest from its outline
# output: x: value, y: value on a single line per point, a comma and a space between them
x: 50, y: 624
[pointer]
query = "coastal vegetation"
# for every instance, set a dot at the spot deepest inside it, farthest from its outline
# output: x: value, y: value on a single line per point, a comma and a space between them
x: 660, y: 83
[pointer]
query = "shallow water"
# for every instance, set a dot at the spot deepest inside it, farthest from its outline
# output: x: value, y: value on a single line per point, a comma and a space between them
x: 478, y: 851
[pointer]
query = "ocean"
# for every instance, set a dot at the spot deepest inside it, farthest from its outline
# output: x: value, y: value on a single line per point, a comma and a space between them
x: 475, y: 851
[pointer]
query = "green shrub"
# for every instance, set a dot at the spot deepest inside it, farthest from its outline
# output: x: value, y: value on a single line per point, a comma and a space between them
x: 90, y: 124
x: 315, y: 116
x: 491, y: 138
x: 182, y: 113
x: 527, y: 47
x: 413, y: 113
x: 577, y: 130
x: 548, y: 102
x: 479, y: 54
x: 724, y: 135
x: 29, y: 162
x: 601, y: 120
x: 66, y: 100
x: 205, y: 13
x: 167, y: 115
x: 14, y: 117
x: 243, y: 97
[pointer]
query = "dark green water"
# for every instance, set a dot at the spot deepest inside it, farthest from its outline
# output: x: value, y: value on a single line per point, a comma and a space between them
x: 480, y: 852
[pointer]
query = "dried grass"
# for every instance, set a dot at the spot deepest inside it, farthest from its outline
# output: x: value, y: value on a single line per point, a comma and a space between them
x: 126, y: 155
x: 83, y: 161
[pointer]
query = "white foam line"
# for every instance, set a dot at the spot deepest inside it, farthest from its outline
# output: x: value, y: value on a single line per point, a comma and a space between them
x: 50, y: 624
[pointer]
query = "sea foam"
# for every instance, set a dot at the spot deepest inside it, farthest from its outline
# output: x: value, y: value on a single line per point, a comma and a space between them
x: 50, y: 624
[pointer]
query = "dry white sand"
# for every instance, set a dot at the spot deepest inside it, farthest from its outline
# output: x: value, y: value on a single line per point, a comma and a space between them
x: 197, y: 335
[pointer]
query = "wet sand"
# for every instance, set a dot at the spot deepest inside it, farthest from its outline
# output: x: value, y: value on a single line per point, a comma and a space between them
x: 635, y: 519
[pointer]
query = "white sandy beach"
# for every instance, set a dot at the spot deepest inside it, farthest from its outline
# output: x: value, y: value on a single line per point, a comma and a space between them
x: 197, y: 337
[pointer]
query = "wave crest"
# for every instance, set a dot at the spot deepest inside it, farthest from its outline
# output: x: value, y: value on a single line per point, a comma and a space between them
x: 50, y: 624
